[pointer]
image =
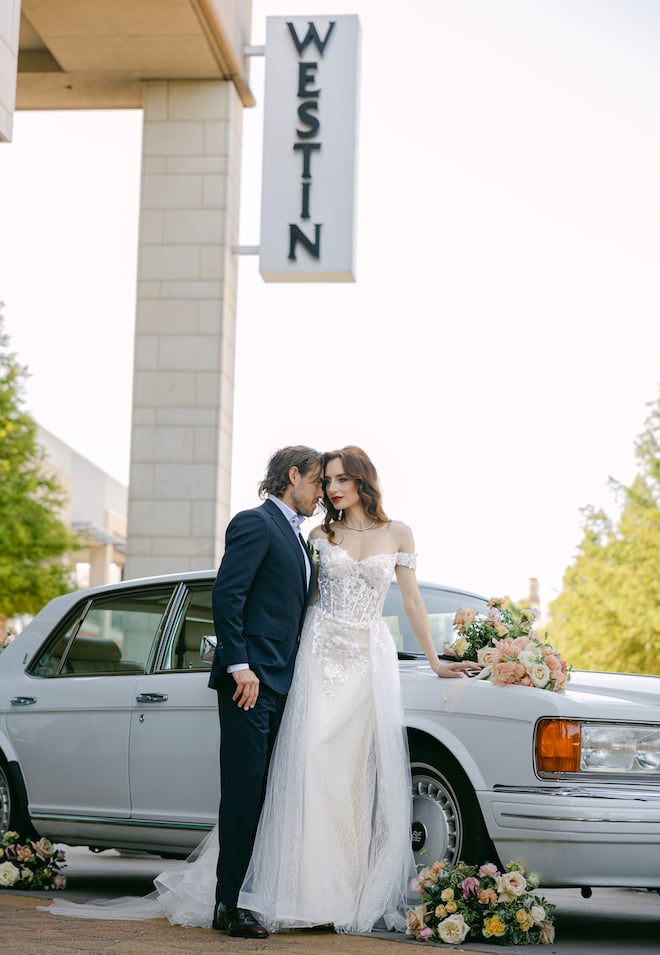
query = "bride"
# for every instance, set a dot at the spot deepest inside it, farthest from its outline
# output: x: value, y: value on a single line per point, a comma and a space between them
x: 333, y: 842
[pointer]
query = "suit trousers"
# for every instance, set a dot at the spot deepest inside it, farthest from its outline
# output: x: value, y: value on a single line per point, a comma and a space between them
x: 247, y: 738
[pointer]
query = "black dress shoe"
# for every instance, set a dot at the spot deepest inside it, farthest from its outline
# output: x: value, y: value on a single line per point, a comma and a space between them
x: 220, y: 918
x: 242, y: 924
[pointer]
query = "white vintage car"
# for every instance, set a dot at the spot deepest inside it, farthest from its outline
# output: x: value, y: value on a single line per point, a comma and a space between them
x: 109, y: 738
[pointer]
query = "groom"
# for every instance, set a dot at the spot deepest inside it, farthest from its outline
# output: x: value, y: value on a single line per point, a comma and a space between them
x: 260, y: 596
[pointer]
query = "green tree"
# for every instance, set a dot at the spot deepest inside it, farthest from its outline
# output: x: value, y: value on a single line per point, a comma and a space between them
x: 608, y: 614
x: 34, y: 540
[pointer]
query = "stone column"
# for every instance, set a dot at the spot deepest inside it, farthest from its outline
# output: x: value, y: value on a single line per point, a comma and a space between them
x: 181, y: 438
x: 10, y: 13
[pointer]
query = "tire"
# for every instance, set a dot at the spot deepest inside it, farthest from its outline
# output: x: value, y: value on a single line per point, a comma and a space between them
x: 447, y: 822
x: 13, y: 801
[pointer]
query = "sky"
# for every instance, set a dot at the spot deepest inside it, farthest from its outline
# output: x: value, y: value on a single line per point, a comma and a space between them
x: 498, y: 353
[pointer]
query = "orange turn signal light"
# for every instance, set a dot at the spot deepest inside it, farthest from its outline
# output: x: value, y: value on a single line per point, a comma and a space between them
x: 558, y: 746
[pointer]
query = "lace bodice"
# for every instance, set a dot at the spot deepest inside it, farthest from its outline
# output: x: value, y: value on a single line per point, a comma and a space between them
x: 353, y: 591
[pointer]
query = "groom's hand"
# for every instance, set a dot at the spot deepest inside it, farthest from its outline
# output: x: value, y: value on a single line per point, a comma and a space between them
x: 247, y: 689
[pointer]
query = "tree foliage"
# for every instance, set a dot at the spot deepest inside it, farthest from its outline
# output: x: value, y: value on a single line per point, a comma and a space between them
x: 34, y: 539
x: 608, y: 614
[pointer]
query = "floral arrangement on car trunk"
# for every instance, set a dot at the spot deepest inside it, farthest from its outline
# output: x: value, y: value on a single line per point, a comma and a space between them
x: 29, y: 864
x: 511, y: 651
x: 479, y: 902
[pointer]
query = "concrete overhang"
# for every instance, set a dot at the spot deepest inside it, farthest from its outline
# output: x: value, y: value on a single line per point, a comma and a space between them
x: 95, y: 54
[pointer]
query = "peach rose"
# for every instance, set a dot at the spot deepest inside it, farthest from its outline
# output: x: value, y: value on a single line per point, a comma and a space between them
x: 510, y: 886
x: 44, y: 849
x: 487, y: 897
x: 464, y: 617
x: 510, y: 671
x: 415, y: 919
x: 488, y: 656
x: 547, y: 936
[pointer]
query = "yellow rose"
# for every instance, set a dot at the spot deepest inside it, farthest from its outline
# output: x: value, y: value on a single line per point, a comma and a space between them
x: 441, y: 912
x: 524, y: 919
x: 494, y: 926
x: 451, y: 907
x: 447, y: 895
x: 460, y: 646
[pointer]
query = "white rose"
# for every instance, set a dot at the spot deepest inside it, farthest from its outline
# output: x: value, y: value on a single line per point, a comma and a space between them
x: 9, y: 874
x: 539, y: 674
x: 453, y: 929
x: 538, y: 914
x: 528, y: 658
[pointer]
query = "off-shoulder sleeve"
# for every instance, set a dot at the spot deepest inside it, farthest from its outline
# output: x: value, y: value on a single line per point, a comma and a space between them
x: 407, y: 560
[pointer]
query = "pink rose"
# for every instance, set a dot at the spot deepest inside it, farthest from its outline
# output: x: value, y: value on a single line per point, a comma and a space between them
x: 424, y: 934
x: 489, y: 869
x: 470, y: 886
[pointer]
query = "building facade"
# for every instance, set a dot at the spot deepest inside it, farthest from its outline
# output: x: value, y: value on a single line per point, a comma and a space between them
x: 182, y: 63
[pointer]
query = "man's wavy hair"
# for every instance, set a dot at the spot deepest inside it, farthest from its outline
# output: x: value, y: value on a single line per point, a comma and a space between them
x: 357, y: 465
x: 277, y: 480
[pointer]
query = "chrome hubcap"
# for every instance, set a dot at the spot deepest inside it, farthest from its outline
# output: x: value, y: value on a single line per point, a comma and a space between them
x: 435, y: 827
x: 5, y: 806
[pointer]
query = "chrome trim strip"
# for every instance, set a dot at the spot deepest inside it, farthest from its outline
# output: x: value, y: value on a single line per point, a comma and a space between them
x: 582, y: 792
x: 585, y: 819
x: 103, y: 820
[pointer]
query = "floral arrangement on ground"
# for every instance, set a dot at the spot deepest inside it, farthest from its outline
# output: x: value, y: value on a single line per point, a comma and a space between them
x: 479, y: 903
x: 30, y: 864
x: 510, y: 650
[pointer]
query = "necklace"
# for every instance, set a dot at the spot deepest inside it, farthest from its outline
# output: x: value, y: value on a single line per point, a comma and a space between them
x: 367, y: 528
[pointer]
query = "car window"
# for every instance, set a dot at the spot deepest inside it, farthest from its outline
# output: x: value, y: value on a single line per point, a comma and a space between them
x: 112, y: 635
x: 194, y: 622
x: 441, y: 605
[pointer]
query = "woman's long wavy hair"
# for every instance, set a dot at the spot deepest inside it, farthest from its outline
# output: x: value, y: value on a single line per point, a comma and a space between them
x: 357, y: 465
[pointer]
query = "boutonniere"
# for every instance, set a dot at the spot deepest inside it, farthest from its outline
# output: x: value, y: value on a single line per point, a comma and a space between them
x: 313, y: 553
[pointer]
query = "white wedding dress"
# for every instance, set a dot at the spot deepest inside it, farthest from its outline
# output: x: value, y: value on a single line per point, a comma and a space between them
x: 333, y: 843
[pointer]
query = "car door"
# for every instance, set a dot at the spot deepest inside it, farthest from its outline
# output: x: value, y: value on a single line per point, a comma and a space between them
x: 69, y: 713
x: 174, y: 732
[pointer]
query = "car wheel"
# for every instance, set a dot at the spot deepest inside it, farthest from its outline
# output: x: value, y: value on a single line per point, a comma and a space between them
x: 13, y: 807
x: 447, y: 822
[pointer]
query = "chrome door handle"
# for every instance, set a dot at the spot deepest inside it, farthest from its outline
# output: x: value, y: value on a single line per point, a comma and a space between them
x: 151, y: 697
x: 23, y: 700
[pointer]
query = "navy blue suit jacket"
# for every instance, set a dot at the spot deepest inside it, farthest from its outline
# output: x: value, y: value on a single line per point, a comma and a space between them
x: 259, y: 597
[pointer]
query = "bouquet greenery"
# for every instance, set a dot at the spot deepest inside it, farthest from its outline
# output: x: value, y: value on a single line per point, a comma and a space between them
x: 29, y: 864
x: 479, y: 903
x: 505, y: 642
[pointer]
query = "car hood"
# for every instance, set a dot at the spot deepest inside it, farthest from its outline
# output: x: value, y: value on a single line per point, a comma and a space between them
x: 627, y: 689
